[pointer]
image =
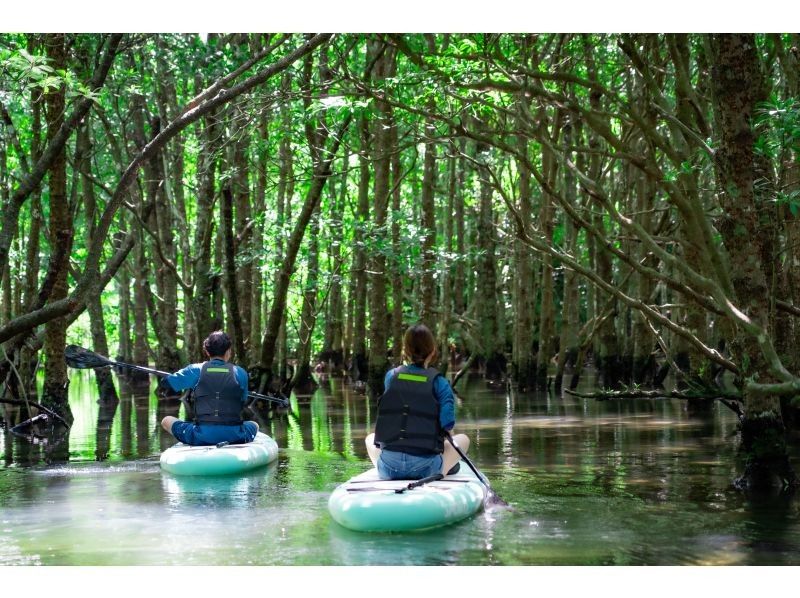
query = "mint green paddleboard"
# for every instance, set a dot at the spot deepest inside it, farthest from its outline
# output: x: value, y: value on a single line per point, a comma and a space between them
x: 183, y: 459
x: 367, y: 504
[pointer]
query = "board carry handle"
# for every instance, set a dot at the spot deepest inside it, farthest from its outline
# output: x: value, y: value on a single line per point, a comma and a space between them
x: 432, y: 478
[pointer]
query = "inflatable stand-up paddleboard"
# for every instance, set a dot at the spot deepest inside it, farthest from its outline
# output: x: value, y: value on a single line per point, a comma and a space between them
x: 366, y: 503
x: 183, y: 459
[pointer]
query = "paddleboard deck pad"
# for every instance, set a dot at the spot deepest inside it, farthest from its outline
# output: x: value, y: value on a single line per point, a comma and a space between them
x: 366, y: 503
x: 183, y: 459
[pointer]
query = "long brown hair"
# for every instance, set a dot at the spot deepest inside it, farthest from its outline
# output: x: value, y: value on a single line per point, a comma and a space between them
x: 418, y: 343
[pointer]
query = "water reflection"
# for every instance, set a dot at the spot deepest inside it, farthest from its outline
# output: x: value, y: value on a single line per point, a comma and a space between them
x: 624, y: 482
x: 219, y: 492
x: 107, y: 409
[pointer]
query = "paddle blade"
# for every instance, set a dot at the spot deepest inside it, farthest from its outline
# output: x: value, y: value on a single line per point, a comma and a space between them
x: 82, y: 359
x: 493, y: 501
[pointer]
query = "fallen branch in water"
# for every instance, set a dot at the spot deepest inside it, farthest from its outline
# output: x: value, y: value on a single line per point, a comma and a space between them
x: 730, y: 399
x: 39, y: 406
x: 42, y: 417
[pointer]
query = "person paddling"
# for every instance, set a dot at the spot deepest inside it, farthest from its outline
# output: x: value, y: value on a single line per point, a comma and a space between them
x: 416, y: 406
x: 220, y: 393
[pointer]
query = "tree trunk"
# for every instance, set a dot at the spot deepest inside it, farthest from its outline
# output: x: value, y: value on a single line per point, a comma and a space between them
x: 547, y: 349
x: 378, y: 332
x: 428, y: 231
x: 398, y: 286
x: 302, y: 375
x: 446, y: 267
x: 284, y: 217
x: 56, y: 382
x: 157, y: 217
x: 486, y: 292
x: 141, y: 348
x: 524, y: 359
x: 259, y: 207
x: 125, y: 349
x: 229, y: 269
x: 244, y: 246
x: 360, y: 366
x: 332, y: 345
x: 643, y: 366
x: 210, y: 142
x: 103, y: 377
x: 172, y: 165
x: 460, y: 277
x: 568, y: 343
x: 737, y: 87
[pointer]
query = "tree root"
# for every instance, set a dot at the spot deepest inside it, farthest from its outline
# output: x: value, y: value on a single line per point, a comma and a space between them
x: 730, y: 399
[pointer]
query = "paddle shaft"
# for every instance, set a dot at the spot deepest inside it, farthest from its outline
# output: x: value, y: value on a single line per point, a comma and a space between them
x: 492, y: 494
x: 463, y: 455
x: 147, y: 370
x: 138, y: 368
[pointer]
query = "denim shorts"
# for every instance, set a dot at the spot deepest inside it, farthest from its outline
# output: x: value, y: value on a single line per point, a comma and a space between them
x: 207, y: 434
x: 394, y: 465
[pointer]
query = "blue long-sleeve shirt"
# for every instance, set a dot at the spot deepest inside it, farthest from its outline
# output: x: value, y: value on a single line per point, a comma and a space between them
x: 441, y: 390
x: 189, y: 376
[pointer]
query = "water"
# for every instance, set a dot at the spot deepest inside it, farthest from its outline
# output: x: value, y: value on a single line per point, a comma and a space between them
x: 591, y: 483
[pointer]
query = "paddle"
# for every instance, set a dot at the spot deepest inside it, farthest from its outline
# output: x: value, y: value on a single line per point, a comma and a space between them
x: 491, y: 496
x: 82, y: 359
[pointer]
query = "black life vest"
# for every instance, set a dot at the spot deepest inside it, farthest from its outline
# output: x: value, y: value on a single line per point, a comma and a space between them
x: 408, y: 414
x: 218, y: 396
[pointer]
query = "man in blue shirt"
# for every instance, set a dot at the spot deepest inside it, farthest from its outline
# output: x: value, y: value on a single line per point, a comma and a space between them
x: 220, y: 392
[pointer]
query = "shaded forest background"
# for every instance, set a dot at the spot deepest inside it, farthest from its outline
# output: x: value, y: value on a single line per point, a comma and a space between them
x: 543, y: 202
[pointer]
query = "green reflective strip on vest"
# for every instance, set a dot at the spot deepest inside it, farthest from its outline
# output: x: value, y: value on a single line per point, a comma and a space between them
x: 412, y: 377
x: 218, y: 370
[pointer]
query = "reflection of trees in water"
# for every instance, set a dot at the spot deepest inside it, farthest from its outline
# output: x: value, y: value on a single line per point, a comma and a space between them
x: 141, y: 406
x: 56, y: 449
x: 322, y: 441
x: 220, y: 492
x: 771, y: 529
x: 107, y: 403
x: 35, y: 439
x: 330, y: 422
x: 134, y: 399
x: 21, y: 451
x: 166, y: 407
x: 610, y: 444
x: 8, y: 450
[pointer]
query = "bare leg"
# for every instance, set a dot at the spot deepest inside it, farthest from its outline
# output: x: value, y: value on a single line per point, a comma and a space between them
x: 450, y: 457
x: 372, y: 450
x: 167, y: 422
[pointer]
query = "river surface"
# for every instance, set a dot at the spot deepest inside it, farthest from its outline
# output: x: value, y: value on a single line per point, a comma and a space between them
x: 629, y: 482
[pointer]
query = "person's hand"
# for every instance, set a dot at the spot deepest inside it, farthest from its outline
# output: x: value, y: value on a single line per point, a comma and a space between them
x: 165, y: 391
